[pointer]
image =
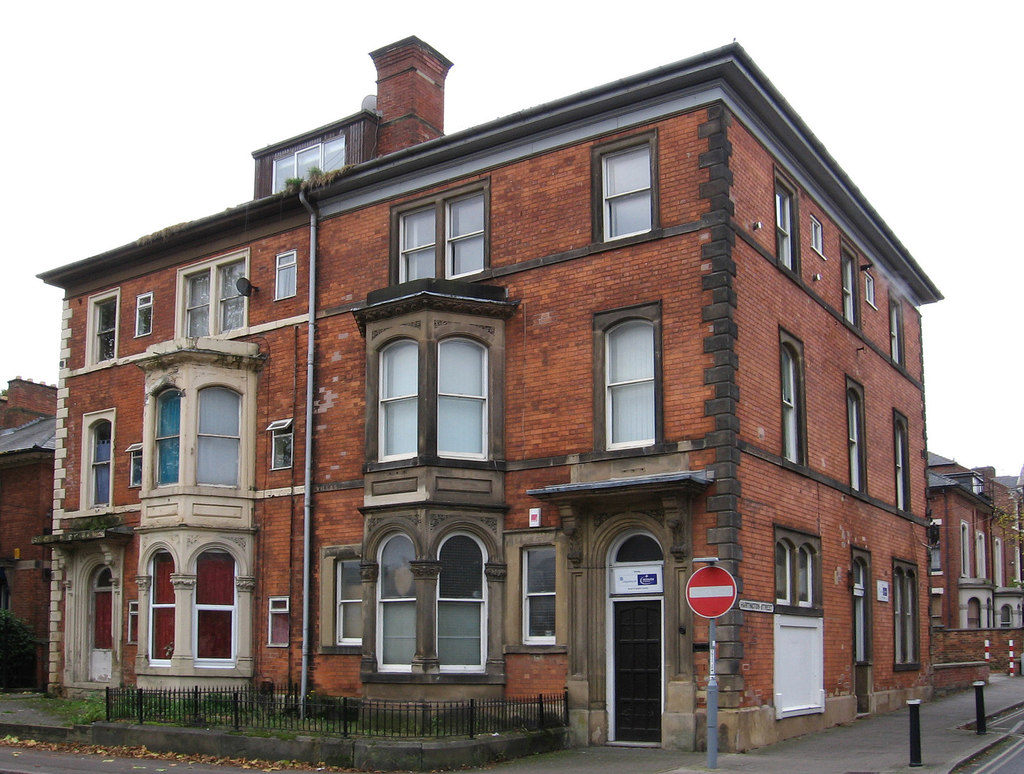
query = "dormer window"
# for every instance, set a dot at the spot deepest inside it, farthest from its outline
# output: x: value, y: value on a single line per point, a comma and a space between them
x: 324, y: 156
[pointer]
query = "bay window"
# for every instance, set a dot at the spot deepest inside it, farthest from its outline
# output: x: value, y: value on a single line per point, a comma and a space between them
x: 397, y: 605
x: 399, y: 398
x: 218, y: 437
x: 460, y: 604
x: 161, y: 608
x: 168, y: 436
x: 461, y: 398
x: 215, y: 606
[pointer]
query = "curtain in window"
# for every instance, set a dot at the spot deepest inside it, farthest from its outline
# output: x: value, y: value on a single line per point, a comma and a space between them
x: 168, y: 436
x: 215, y: 604
x: 217, y: 460
x: 418, y: 245
x: 350, y: 597
x: 101, y: 464
x: 397, y: 602
x: 790, y: 418
x: 630, y: 374
x: 461, y: 400
x: 102, y: 636
x: 232, y: 303
x: 627, y: 190
x: 460, y: 602
x: 399, y: 389
x: 466, y: 236
x: 540, y: 592
x: 162, y: 607
x: 198, y: 312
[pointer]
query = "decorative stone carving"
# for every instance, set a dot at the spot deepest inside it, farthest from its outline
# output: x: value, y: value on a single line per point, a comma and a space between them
x: 183, y: 581
x: 425, y: 568
x: 245, y: 583
x: 368, y: 572
x: 143, y: 582
x: 495, y: 571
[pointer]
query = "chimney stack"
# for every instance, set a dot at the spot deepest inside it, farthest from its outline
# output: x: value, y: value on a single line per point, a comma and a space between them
x: 410, y: 94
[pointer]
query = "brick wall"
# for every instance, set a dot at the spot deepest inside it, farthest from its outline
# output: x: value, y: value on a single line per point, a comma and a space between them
x: 27, y: 400
x: 958, y: 645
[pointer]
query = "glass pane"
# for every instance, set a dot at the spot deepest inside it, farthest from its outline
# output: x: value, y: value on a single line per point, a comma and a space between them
x: 460, y: 425
x: 461, y: 569
x: 101, y: 484
x: 135, y: 476
x: 199, y: 289
x: 467, y: 255
x: 214, y: 634
x: 629, y: 214
x: 629, y: 171
x: 169, y: 414
x: 542, y: 616
x: 400, y: 369
x: 632, y: 412
x: 144, y: 321
x: 283, y: 170
x: 215, y: 579
x: 283, y: 449
x: 458, y: 633
x: 466, y: 216
x: 419, y: 264
x: 285, y: 281
x: 199, y: 321
x: 540, y: 570
x: 639, y: 548
x: 218, y: 411
x: 400, y: 433
x: 417, y: 229
x: 279, y: 628
x: 334, y: 154
x: 102, y: 637
x: 395, y: 573
x: 163, y: 591
x: 350, y: 583
x: 101, y: 438
x: 217, y: 461
x: 305, y: 159
x: 232, y: 313
x: 351, y: 621
x: 460, y: 367
x: 399, y: 629
x: 167, y: 461
x: 106, y: 313
x: 163, y: 633
x: 631, y: 352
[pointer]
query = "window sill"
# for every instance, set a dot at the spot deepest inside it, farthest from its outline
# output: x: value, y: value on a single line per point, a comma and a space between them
x: 531, y: 649
x: 342, y: 650
x: 809, y: 612
x: 913, y: 667
x: 453, y: 678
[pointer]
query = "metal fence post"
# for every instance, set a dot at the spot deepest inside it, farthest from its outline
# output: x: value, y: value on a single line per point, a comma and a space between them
x: 472, y: 716
x: 238, y: 723
x: 138, y: 705
x: 540, y: 710
x: 979, y: 706
x: 915, y: 731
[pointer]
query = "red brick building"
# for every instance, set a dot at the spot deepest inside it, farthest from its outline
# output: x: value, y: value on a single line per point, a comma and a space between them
x: 27, y: 435
x: 455, y: 414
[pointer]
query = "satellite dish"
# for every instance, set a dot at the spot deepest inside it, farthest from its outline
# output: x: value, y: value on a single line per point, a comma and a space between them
x: 244, y: 287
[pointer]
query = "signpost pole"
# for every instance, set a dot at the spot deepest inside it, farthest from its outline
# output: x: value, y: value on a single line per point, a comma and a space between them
x: 712, y: 699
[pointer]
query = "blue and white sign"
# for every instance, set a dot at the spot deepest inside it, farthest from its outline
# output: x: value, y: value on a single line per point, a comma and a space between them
x: 638, y: 580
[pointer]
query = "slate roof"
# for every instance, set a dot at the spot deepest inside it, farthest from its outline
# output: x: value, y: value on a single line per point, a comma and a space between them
x: 37, y: 435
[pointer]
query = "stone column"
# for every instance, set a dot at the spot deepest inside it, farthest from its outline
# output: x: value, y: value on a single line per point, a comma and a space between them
x: 184, y: 594
x: 495, y: 574
x: 368, y: 574
x: 425, y: 572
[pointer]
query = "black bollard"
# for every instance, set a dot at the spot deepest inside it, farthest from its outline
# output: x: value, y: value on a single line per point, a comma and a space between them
x: 915, y: 732
x: 979, y: 706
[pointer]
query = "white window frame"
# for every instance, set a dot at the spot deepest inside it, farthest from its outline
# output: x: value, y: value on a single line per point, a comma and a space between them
x: 855, y: 440
x: 441, y: 241
x: 276, y: 607
x: 610, y: 198
x: 87, y: 495
x: 385, y: 400
x: 896, y: 351
x: 818, y: 237
x: 998, y: 576
x: 848, y: 270
x: 453, y: 240
x: 93, y: 347
x: 869, y: 289
x: 158, y: 439
x: 482, y: 604
x: 529, y: 596
x: 405, y: 251
x: 204, y: 438
x: 783, y: 550
x: 611, y: 388
x: 233, y: 608
x: 213, y: 268
x: 342, y: 602
x: 143, y: 314
x: 481, y: 400
x: 134, y: 452
x: 382, y: 604
x: 901, y: 456
x: 784, y: 237
x: 279, y: 430
x: 965, y: 550
x: 286, y: 275
x: 131, y: 636
x: 154, y: 660
x: 280, y: 182
x: 791, y: 394
x: 980, y: 555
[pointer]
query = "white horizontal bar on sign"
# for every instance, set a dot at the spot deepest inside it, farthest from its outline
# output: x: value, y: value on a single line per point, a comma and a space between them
x: 698, y: 592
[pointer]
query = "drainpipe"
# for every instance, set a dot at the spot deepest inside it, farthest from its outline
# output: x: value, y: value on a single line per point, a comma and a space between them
x: 308, y: 474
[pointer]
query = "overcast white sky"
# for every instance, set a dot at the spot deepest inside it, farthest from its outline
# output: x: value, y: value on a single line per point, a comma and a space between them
x: 123, y: 118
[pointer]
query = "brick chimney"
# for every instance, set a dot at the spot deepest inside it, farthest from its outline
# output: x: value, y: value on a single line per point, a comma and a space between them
x: 410, y: 94
x: 27, y: 400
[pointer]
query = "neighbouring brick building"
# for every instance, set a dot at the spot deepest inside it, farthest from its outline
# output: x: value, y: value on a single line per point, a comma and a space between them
x: 975, y: 569
x: 27, y: 434
x: 554, y: 359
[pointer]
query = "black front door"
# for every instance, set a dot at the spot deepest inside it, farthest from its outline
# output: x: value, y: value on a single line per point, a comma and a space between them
x: 638, y: 671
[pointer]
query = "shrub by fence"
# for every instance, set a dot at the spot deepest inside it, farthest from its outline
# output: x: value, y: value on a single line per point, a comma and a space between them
x: 249, y: 708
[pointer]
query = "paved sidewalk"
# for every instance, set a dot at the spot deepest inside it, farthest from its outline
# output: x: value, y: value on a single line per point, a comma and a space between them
x: 875, y: 745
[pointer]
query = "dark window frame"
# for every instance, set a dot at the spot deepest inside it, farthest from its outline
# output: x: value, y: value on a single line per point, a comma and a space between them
x: 794, y: 541
x: 785, y: 187
x: 603, y: 323
x: 597, y: 199
x: 859, y: 555
x: 439, y: 202
x: 897, y: 342
x: 856, y: 391
x: 849, y: 270
x: 901, y: 460
x: 905, y: 610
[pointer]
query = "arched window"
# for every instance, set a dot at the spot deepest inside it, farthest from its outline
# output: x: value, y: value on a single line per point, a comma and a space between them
x: 860, y: 610
x: 168, y: 436
x: 639, y: 548
x: 1006, y: 616
x: 796, y: 570
x: 629, y: 380
x: 102, y: 610
x: 218, y: 440
x: 998, y: 576
x: 973, y: 613
x: 805, y: 576
x: 161, y: 608
x: 460, y: 604
x: 855, y: 429
x: 980, y: 561
x: 215, y: 606
x: 783, y: 572
x: 399, y: 394
x: 905, y: 613
x: 461, y: 398
x: 901, y: 455
x: 100, y: 474
x: 397, y: 610
x: 965, y: 550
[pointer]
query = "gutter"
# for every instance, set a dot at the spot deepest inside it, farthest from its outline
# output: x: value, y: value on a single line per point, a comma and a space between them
x: 307, y: 495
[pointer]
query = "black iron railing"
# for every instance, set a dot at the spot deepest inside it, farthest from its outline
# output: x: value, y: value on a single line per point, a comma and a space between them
x: 271, y: 710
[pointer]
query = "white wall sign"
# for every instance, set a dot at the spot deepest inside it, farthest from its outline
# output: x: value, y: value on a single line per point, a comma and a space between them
x: 535, y: 517
x: 638, y: 580
x: 757, y: 607
x: 883, y: 591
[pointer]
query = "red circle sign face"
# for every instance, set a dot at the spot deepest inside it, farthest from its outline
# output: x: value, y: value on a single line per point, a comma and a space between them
x: 711, y: 592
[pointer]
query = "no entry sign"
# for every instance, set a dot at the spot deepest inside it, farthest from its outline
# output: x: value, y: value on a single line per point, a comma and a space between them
x: 710, y: 592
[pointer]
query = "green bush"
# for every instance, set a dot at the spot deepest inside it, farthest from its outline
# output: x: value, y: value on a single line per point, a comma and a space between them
x: 17, y: 647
